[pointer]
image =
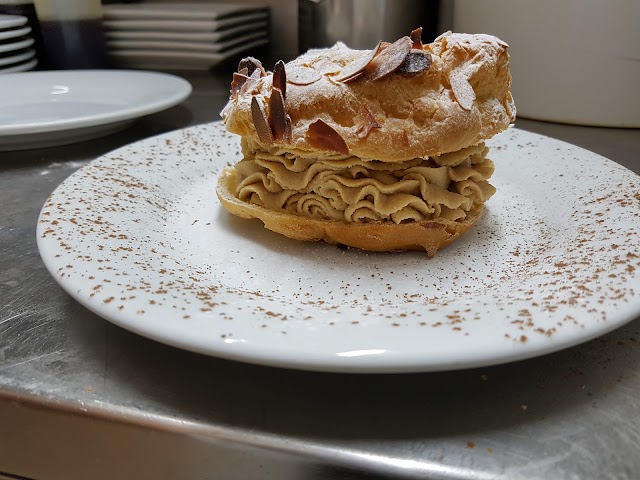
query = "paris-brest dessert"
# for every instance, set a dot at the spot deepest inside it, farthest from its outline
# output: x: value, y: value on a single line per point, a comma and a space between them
x: 379, y: 149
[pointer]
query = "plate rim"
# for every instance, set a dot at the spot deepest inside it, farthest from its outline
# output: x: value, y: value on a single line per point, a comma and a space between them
x: 180, y: 25
x: 190, y: 36
x: 20, y: 32
x: 10, y: 47
x: 185, y: 47
x: 182, y: 89
x: 182, y: 56
x: 10, y: 21
x: 11, y: 61
x: 18, y: 68
x: 189, y: 11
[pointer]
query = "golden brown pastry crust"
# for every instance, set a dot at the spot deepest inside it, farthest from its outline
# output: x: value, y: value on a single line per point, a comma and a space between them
x: 429, y: 236
x: 398, y: 102
x: 462, y: 99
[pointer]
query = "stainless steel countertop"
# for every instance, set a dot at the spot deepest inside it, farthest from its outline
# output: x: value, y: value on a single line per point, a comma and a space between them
x: 82, y: 398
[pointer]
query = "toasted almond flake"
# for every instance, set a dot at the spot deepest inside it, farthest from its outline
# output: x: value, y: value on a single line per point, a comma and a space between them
x: 252, y: 82
x: 462, y: 90
x: 280, y: 78
x: 251, y: 64
x: 369, y: 122
x: 238, y: 81
x: 277, y: 115
x: 243, y: 71
x: 416, y: 38
x: 323, y: 137
x: 324, y: 66
x: 288, y: 131
x: 242, y: 84
x: 303, y: 75
x: 417, y: 61
x: 260, y: 122
x: 387, y: 61
x: 357, y: 66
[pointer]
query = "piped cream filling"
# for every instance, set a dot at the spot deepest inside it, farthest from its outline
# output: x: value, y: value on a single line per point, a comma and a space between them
x: 350, y: 189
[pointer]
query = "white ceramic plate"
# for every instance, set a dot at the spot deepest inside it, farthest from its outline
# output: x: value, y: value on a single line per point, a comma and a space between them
x: 139, y: 237
x: 164, y: 36
x: 39, y: 109
x: 11, y: 21
x: 20, y: 67
x: 159, y: 60
x: 10, y: 47
x: 18, y: 32
x: 19, y: 57
x: 182, y: 25
x: 183, y: 10
x: 163, y: 47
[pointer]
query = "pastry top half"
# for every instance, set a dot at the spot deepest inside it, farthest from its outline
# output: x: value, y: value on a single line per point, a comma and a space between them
x: 394, y: 103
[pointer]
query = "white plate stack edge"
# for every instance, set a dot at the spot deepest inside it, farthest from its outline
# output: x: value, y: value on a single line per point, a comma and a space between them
x: 16, y: 45
x: 182, y: 36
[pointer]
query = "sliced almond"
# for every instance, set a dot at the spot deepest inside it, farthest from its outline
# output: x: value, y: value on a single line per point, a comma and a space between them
x: 387, y: 61
x: 369, y: 122
x: 462, y: 90
x: 416, y: 38
x: 357, y: 66
x: 303, y: 75
x: 251, y: 82
x: 260, y: 122
x: 251, y: 64
x: 324, y: 65
x: 416, y: 61
x: 280, y: 78
x: 288, y: 131
x: 238, y: 81
x: 323, y: 137
x: 277, y: 115
x: 242, y: 84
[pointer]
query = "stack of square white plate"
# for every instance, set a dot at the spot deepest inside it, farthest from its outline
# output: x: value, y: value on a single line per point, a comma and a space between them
x: 182, y: 36
x: 16, y: 52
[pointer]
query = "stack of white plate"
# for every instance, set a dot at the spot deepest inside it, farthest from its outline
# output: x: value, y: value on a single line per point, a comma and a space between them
x: 182, y: 36
x: 16, y: 52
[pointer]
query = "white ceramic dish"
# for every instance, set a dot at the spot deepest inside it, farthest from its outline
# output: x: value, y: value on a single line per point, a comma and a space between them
x: 20, y: 67
x: 139, y: 237
x: 163, y: 36
x: 19, y: 57
x: 40, y: 109
x: 11, y: 21
x: 185, y: 47
x: 167, y: 60
x: 18, y: 32
x: 186, y: 11
x: 182, y: 25
x: 19, y: 45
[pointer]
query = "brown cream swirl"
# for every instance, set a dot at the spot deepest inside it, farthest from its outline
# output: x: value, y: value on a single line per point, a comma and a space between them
x: 347, y: 188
